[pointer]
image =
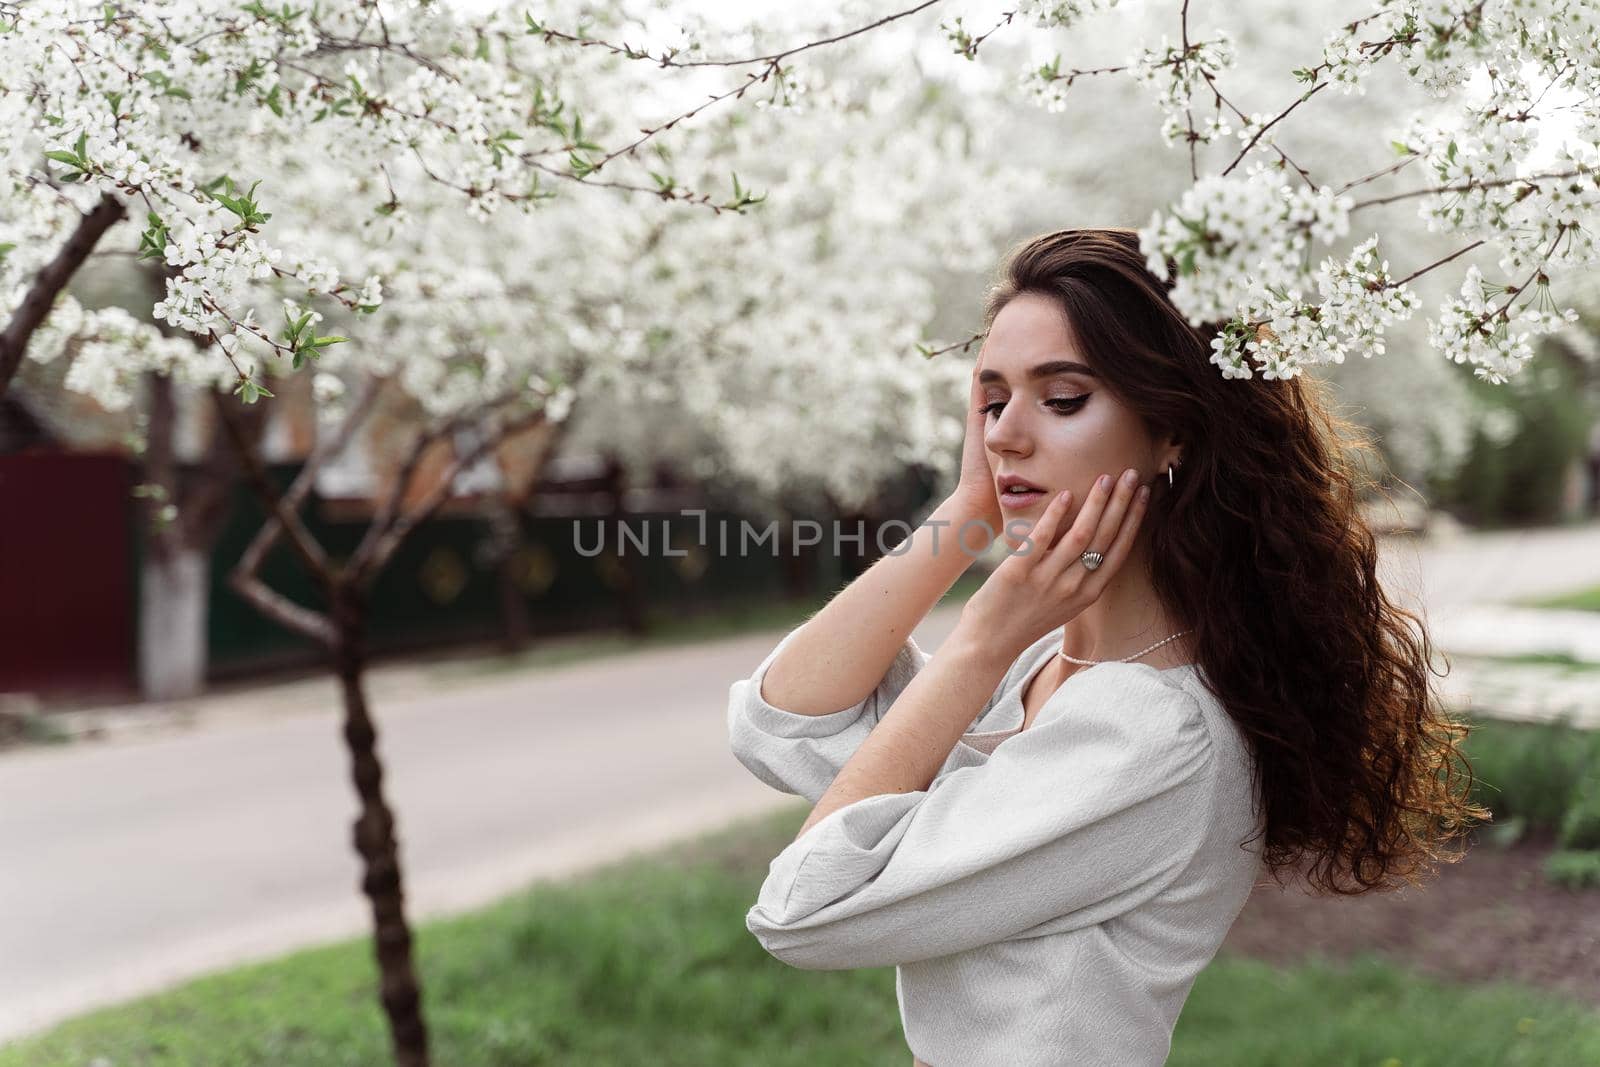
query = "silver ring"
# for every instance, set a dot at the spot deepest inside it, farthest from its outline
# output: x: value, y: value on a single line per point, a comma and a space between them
x: 1091, y: 560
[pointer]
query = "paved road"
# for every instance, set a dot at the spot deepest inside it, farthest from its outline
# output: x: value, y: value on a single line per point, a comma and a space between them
x: 131, y: 864
x: 1492, y: 567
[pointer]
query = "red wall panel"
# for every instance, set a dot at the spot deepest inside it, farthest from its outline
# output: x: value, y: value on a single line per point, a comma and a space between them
x: 67, y: 584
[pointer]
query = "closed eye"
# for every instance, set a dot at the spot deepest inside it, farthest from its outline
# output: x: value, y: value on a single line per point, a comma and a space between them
x: 1063, y: 405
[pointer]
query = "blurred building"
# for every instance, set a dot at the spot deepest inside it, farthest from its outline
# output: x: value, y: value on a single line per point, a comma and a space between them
x: 91, y: 616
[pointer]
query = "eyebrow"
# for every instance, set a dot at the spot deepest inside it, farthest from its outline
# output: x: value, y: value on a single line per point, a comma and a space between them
x: 1042, y: 370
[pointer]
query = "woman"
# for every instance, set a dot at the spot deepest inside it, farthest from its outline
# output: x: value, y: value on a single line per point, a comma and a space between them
x: 1175, y: 677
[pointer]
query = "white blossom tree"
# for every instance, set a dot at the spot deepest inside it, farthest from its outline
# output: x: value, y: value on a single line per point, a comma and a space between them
x: 1251, y: 186
x: 384, y: 145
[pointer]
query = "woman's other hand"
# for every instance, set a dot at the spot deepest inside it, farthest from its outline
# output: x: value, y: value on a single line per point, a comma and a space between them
x: 1043, y: 583
x: 975, y: 496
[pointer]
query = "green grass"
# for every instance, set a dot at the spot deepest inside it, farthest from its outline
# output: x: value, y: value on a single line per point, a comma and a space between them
x: 1242, y: 1013
x: 1530, y: 770
x: 667, y: 628
x: 1582, y: 600
x: 1572, y: 664
x: 648, y: 961
x: 1575, y: 868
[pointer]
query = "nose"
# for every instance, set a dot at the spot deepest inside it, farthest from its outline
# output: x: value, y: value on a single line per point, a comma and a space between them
x: 1008, y: 435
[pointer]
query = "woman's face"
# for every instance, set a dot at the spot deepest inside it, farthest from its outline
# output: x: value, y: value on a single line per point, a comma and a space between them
x: 1055, y: 426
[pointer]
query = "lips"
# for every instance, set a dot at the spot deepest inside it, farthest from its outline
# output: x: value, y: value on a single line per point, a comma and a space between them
x: 1008, y: 482
x: 1018, y: 492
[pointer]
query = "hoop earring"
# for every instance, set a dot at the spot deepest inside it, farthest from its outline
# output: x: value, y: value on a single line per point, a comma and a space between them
x: 1169, y: 477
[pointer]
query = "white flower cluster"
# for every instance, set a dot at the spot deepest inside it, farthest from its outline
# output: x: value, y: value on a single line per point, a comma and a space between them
x: 1283, y: 333
x: 778, y: 351
x: 1243, y: 247
x: 1359, y: 299
x: 1347, y: 61
x: 180, y: 111
x: 1059, y: 14
x: 1484, y: 157
x: 1236, y: 238
x: 1175, y: 75
x: 1474, y: 328
x: 1543, y: 223
x: 110, y: 350
x: 1045, y: 87
x: 1444, y: 40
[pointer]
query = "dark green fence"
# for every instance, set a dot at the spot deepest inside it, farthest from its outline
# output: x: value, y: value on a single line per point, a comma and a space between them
x: 444, y: 587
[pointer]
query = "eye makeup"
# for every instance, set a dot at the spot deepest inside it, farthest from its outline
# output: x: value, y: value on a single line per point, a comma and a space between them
x: 1061, y: 405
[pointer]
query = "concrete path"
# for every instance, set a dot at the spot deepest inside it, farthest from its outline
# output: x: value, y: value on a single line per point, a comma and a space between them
x: 136, y: 862
x: 1461, y: 586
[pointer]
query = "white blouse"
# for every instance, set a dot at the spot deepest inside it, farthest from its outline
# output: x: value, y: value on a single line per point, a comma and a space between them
x: 1052, y: 895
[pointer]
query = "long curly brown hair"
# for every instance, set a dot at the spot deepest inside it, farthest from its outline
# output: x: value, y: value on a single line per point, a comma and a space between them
x: 1262, y: 545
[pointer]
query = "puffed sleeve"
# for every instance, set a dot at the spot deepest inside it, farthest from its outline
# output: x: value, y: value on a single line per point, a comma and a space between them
x: 1092, y: 810
x: 802, y: 754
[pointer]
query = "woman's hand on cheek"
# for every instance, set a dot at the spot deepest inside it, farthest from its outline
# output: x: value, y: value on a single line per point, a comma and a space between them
x: 975, y: 492
x: 1042, y: 583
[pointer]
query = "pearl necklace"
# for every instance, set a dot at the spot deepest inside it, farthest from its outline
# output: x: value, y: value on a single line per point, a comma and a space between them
x: 1125, y: 659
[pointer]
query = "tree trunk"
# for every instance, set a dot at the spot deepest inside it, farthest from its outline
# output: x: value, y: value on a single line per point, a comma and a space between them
x: 375, y: 840
x: 175, y: 587
x: 629, y: 597
x: 174, y: 597
x: 799, y: 561
x: 504, y: 538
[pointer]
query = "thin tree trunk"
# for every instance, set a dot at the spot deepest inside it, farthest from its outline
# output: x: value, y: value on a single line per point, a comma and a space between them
x: 175, y: 591
x: 172, y: 587
x: 522, y: 468
x: 799, y: 561
x: 342, y: 628
x: 629, y: 598
x: 374, y: 837
x: 505, y: 536
x: 173, y: 601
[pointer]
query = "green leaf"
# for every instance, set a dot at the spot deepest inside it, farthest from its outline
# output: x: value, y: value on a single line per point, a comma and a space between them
x: 153, y: 241
x: 249, y: 391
